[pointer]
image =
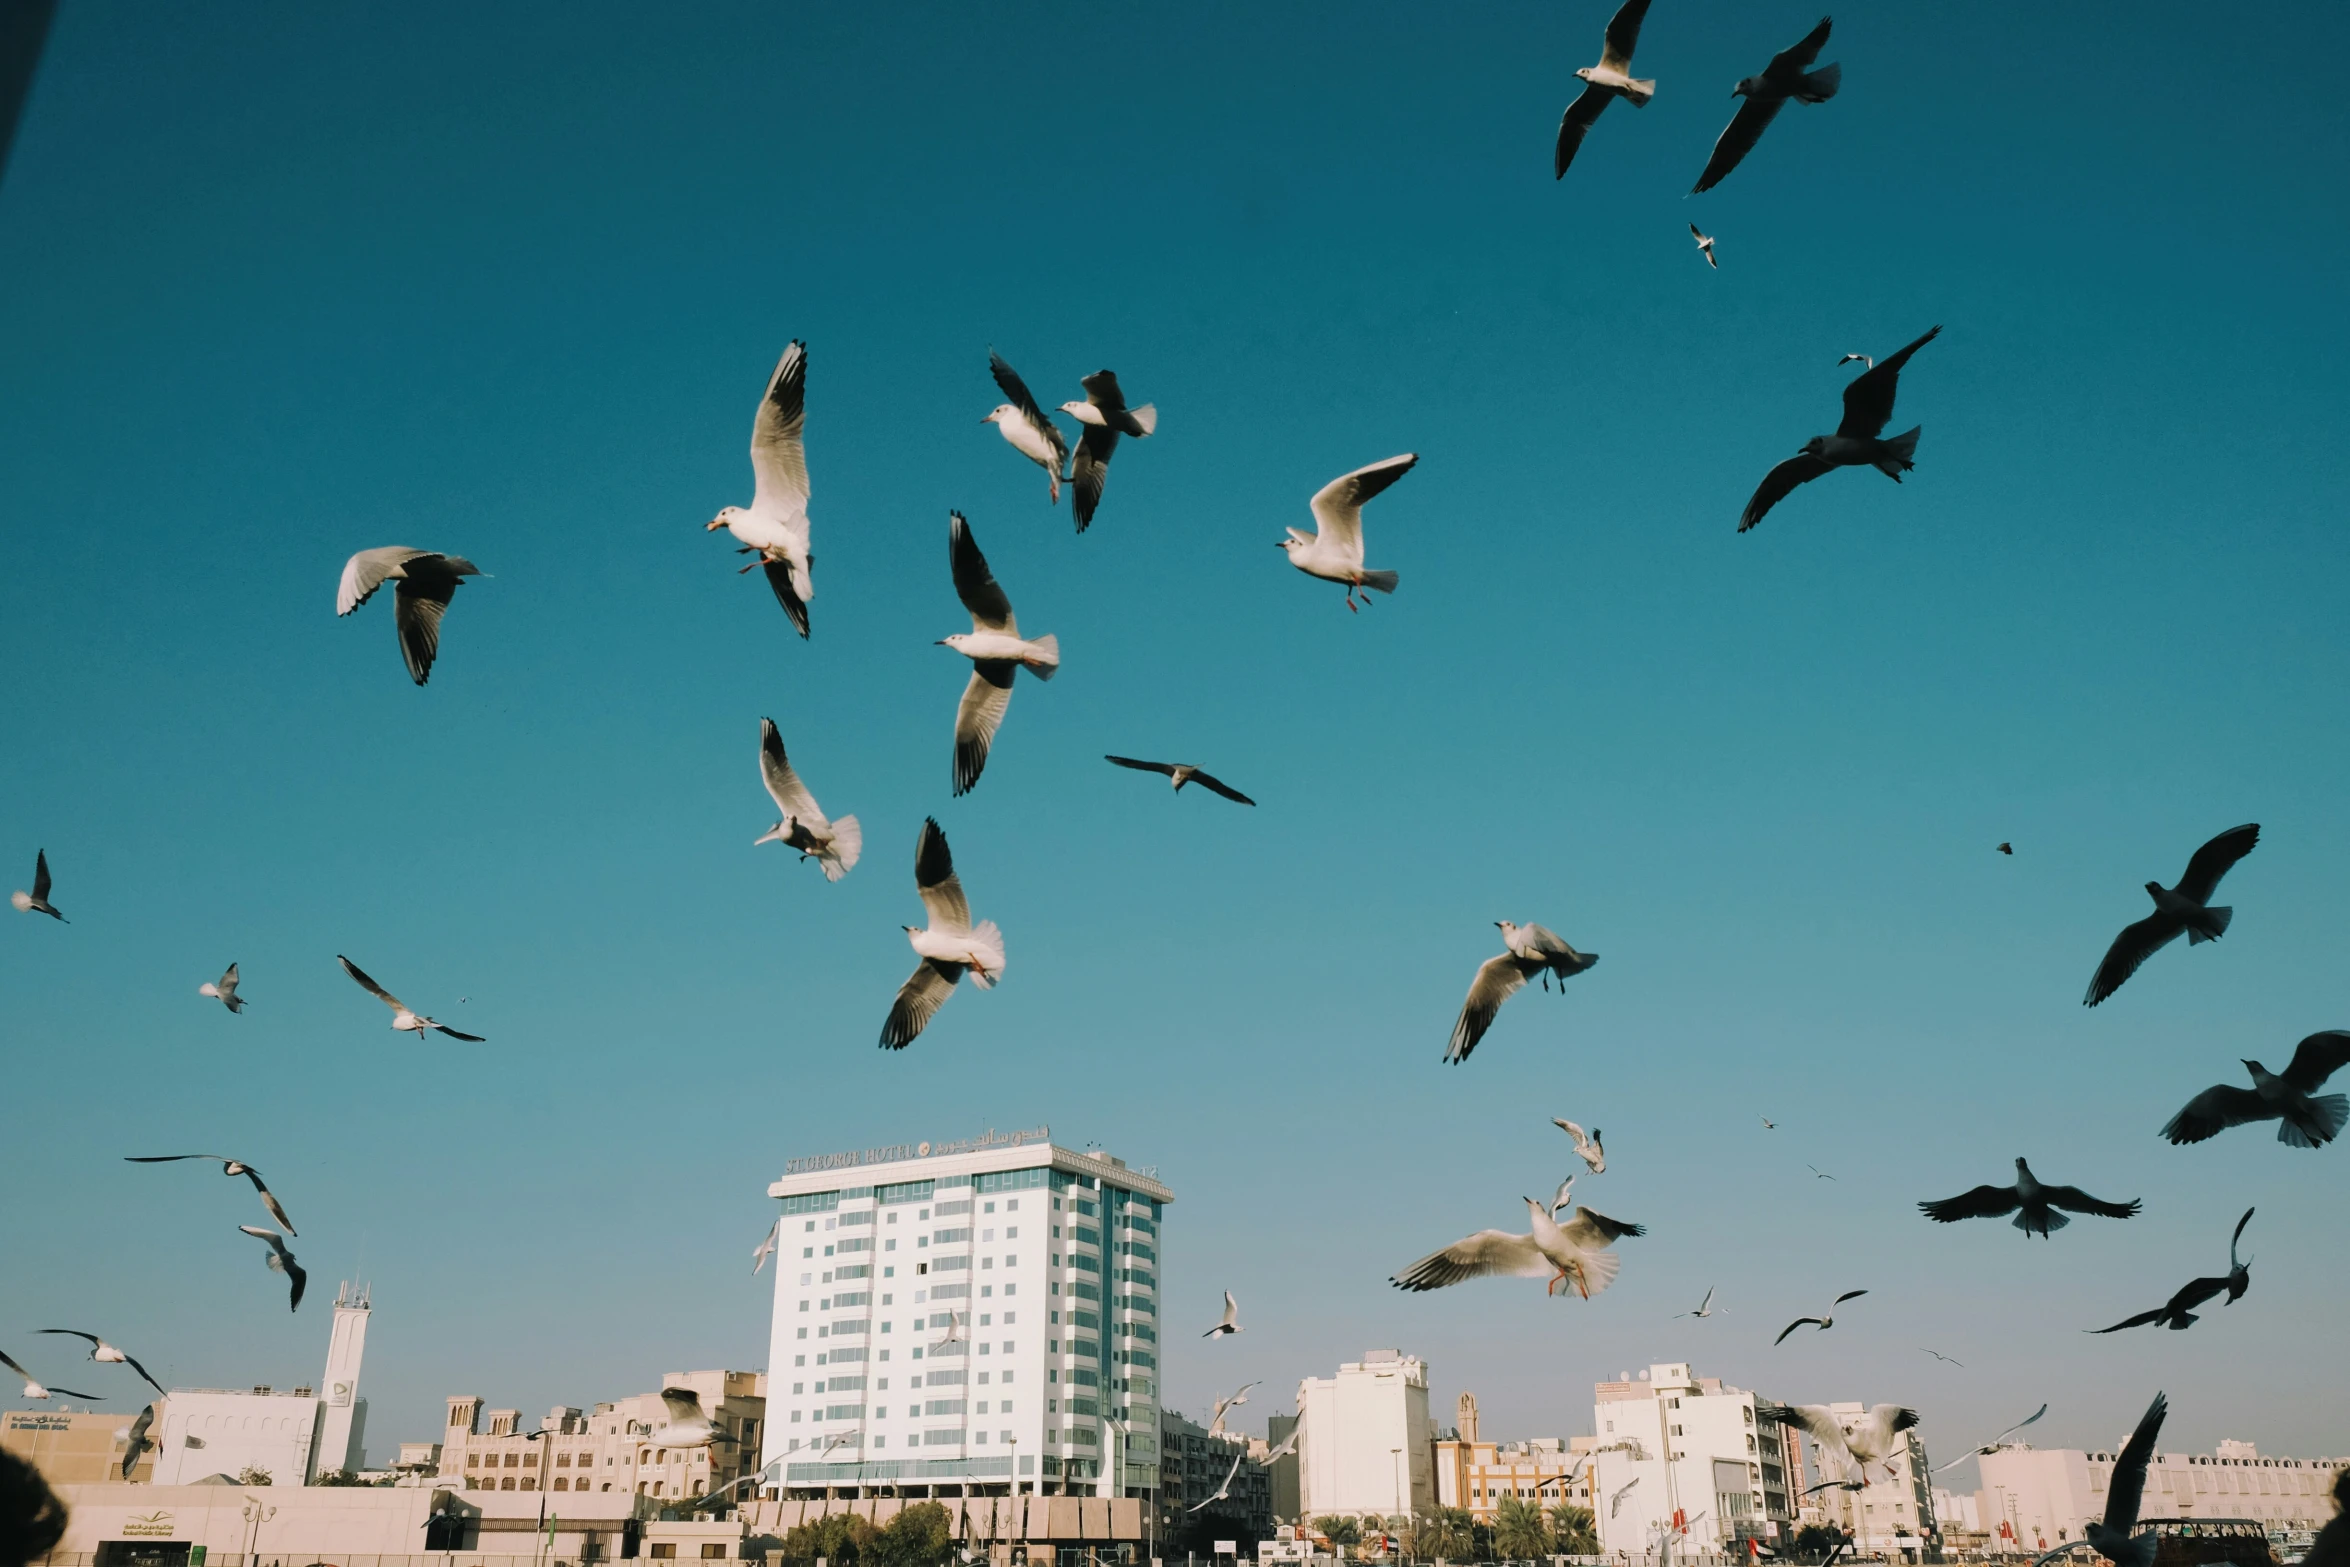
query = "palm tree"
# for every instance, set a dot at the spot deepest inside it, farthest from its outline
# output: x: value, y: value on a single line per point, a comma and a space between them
x: 1519, y: 1534
x: 1573, y: 1530
x: 1444, y: 1531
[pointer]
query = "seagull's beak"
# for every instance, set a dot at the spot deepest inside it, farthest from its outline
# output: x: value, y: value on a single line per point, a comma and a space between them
x: 941, y: 642
x: 989, y: 419
x: 714, y: 524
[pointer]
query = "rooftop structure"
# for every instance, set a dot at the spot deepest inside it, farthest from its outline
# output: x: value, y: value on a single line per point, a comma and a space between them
x: 611, y: 1449
x: 1366, y: 1450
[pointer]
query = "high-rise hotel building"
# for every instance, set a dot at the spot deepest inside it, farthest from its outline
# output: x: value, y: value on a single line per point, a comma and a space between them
x: 966, y: 1319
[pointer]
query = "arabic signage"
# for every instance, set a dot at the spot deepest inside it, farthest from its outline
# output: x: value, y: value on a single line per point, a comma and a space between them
x: 897, y: 1153
x: 147, y: 1526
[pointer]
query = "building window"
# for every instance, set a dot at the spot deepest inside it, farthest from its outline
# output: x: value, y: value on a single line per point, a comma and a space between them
x: 715, y: 1551
x: 662, y: 1549
x: 509, y: 1485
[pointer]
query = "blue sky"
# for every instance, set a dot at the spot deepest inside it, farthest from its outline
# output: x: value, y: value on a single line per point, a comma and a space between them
x: 279, y: 286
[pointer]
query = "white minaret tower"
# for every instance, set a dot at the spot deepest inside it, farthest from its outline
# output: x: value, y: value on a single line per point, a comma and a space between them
x: 342, y: 1424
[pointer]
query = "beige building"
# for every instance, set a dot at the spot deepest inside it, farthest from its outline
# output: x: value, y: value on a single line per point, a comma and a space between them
x: 73, y: 1449
x: 610, y: 1449
x: 1671, y: 1445
x: 1367, y: 1444
x: 2041, y: 1497
x: 1477, y: 1475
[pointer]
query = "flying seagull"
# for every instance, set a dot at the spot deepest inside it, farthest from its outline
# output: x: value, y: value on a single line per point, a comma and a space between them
x: 766, y: 1248
x: 1860, y: 1440
x: 37, y: 900
x: 1105, y: 416
x: 1787, y: 76
x: 1572, y: 1253
x: 1334, y: 550
x: 954, y: 1333
x: 1025, y: 426
x: 775, y: 527
x: 1288, y: 1444
x: 1225, y: 1406
x: 2183, y: 908
x: 1992, y: 1446
x: 688, y: 1425
x: 1223, y: 1492
x: 1560, y: 1198
x: 1819, y: 1173
x: 137, y: 1444
x: 1705, y: 1307
x: 402, y: 1018
x: 1586, y: 1148
x: 428, y: 581
x: 1824, y: 1321
x: 1769, y: 1125
x: 833, y: 845
x: 35, y: 1391
x: 1868, y: 406
x: 1938, y: 1355
x: 1603, y: 83
x: 2178, y: 1313
x: 224, y: 990
x: 107, y: 1354
x: 949, y: 946
x: 2034, y: 1205
x: 282, y: 1261
x: 996, y: 649
x: 2114, y: 1537
x: 2007, y: 848
x: 1616, y: 1500
x: 229, y: 1167
x: 2305, y: 1118
x: 1705, y: 243
x: 1231, y: 1320
x: 1529, y: 950
x: 1183, y: 773
x: 1866, y: 362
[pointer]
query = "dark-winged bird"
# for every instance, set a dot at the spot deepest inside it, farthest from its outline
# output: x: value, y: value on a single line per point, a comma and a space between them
x: 775, y: 526
x: 950, y: 946
x: 1787, y: 76
x: 37, y: 900
x: 2033, y: 1204
x: 1868, y: 408
x: 2179, y: 1311
x: 106, y: 1354
x: 2177, y: 910
x: 1025, y: 426
x: 1530, y: 950
x: 428, y: 581
x: 1183, y: 773
x: 140, y: 1444
x: 1603, y: 83
x: 404, y: 1017
x: 2113, y: 1537
x: 2305, y: 1118
x: 1105, y: 416
x: 1824, y: 1321
x: 229, y: 1167
x: 996, y: 649
x: 282, y: 1261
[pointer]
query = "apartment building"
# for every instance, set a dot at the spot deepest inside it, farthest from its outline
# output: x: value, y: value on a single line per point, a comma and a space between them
x: 1367, y: 1448
x: 1676, y: 1451
x: 611, y: 1448
x: 2042, y: 1497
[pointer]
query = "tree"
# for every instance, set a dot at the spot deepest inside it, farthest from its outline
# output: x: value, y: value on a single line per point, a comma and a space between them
x: 922, y: 1535
x: 840, y: 1539
x: 1813, y: 1543
x: 1444, y: 1531
x: 1519, y: 1533
x: 252, y: 1474
x: 1573, y: 1530
x: 339, y: 1477
x: 1340, y: 1531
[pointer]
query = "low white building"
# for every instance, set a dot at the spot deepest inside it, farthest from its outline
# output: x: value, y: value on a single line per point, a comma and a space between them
x: 2041, y: 1497
x: 1670, y: 1446
x: 1366, y: 1445
x: 292, y: 1437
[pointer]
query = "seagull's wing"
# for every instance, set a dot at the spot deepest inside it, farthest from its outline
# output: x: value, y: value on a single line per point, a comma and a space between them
x: 369, y: 985
x: 1016, y: 393
x: 2317, y: 1058
x: 975, y: 585
x: 1799, y: 55
x: 779, y: 578
x: 1778, y: 484
x: 2237, y: 1236
x: 2213, y: 1111
x: 95, y: 1341
x: 167, y: 1158
x: 1568, y: 1127
x: 142, y: 1371
x: 1101, y: 389
x: 1497, y: 980
x: 1486, y: 1252
x: 269, y: 1200
x: 2213, y: 860
x: 1589, y: 1229
x: 1984, y: 1202
x: 1217, y: 785
x: 1868, y: 401
x: 1165, y: 768
x: 422, y: 599
x: 1995, y: 1441
x: 471, y: 1039
x: 19, y: 1370
x: 1847, y: 1295
x: 67, y: 1392
x: 1737, y: 139
x: 1338, y: 505
x: 366, y: 571
x: 1091, y: 471
x: 683, y: 1403
x: 2128, y: 1481
x: 783, y: 785
x: 779, y: 460
x: 1623, y: 35
x: 1575, y: 124
x: 1816, y: 1419
x: 2132, y: 947
x: 979, y: 715
x: 277, y: 1242
x: 40, y: 875
x: 936, y: 881
x: 919, y: 998
x: 2074, y: 1200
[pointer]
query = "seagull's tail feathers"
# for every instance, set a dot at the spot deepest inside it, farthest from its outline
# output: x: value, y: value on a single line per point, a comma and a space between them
x: 2041, y: 1222
x: 2182, y: 1321
x: 848, y: 841
x: 1820, y: 85
x: 1900, y: 453
x: 1640, y: 92
x: 2328, y: 1113
x: 2211, y: 927
x: 1146, y: 418
x: 1384, y: 581
x: 1598, y: 1272
x: 987, y: 946
x: 1043, y: 658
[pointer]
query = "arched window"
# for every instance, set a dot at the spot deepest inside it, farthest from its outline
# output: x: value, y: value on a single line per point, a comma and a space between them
x: 530, y: 1482
x: 509, y: 1485
x: 562, y: 1482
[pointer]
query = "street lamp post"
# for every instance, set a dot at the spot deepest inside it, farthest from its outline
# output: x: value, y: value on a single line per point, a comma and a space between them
x: 1396, y: 1454
x: 256, y: 1514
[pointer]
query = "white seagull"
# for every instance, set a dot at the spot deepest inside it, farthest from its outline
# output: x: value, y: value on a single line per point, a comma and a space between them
x: 996, y: 649
x: 1183, y: 773
x: 1231, y: 1322
x: 775, y: 525
x: 282, y: 1261
x: 107, y: 1354
x: 949, y: 946
x: 688, y: 1425
x: 1615, y: 1501
x: 1866, y: 363
x: 1025, y: 427
x: 1334, y: 550
x: 2305, y: 1118
x: 2183, y: 909
x: 1222, y: 1492
x: 1861, y: 1440
x: 1705, y: 1307
x: 1603, y: 83
x: 2115, y: 1536
x: 766, y: 1248
x: 1564, y: 1195
x: 1587, y: 1148
x: 1225, y: 1406
x: 35, y: 1391
x: 833, y: 845
x: 229, y: 1167
x: 136, y: 1442
x: 224, y: 990
x: 37, y: 900
x: 402, y: 1018
x: 1824, y: 1321
x: 1789, y: 75
x: 1992, y: 1446
x: 428, y: 581
x: 1573, y: 1253
x: 1705, y: 243
x: 1531, y: 950
x: 1105, y: 416
x: 1859, y: 441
